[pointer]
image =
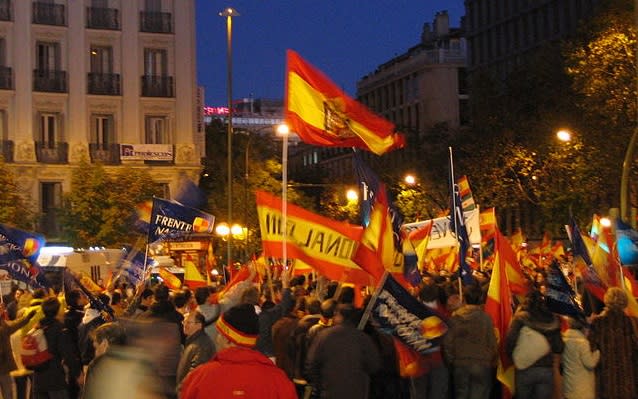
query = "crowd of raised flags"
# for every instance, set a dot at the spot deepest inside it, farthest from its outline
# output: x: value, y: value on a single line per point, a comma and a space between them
x: 383, y: 253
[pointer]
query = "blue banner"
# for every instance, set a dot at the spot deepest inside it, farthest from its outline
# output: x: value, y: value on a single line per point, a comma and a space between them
x: 559, y: 296
x: 19, y: 244
x: 21, y: 270
x: 627, y: 243
x: 400, y: 314
x: 169, y: 217
x: 133, y: 266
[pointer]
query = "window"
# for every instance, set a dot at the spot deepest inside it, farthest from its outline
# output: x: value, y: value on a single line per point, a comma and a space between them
x: 155, y: 62
x: 101, y: 59
x: 102, y: 130
x: 165, y: 190
x: 50, y: 200
x: 48, y: 56
x: 156, y: 130
x: 48, y: 129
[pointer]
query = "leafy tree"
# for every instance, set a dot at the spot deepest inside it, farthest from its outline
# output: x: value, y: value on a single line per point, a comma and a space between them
x: 99, y: 208
x: 15, y: 208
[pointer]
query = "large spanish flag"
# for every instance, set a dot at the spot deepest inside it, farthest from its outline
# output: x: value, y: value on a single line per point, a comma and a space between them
x: 499, y: 306
x: 322, y: 114
x: 325, y: 244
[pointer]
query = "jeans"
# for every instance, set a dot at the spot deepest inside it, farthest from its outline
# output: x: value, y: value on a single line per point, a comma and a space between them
x: 534, y: 383
x: 433, y: 385
x: 472, y: 382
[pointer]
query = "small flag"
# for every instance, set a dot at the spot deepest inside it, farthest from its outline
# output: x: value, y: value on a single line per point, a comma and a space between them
x: 559, y: 295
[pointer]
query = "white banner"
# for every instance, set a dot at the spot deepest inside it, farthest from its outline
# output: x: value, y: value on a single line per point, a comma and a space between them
x: 442, y: 234
x: 146, y: 152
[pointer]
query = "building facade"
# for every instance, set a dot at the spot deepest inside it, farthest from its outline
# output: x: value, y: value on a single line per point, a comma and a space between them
x: 501, y: 33
x: 97, y: 80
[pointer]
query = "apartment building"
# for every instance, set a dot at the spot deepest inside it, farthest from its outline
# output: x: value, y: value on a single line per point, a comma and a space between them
x: 110, y: 81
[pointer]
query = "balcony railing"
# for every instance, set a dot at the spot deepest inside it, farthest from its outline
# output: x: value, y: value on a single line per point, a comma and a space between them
x: 47, y: 152
x: 53, y: 81
x: 49, y: 14
x: 104, y: 84
x: 157, y: 86
x: 7, y: 150
x: 5, y: 10
x: 108, y: 154
x: 102, y: 18
x: 6, y: 78
x: 156, y: 22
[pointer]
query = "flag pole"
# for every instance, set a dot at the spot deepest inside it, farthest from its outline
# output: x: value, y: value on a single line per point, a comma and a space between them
x: 366, y: 313
x: 453, y: 217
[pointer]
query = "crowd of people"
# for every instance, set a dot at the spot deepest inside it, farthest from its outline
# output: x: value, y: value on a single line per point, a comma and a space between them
x: 300, y: 338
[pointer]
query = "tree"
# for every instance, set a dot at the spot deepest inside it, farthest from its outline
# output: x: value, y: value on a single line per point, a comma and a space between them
x: 100, y: 207
x: 14, y: 202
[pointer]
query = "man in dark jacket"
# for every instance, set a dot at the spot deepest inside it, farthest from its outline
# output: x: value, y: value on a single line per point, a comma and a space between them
x: 198, y: 348
x: 470, y: 347
x: 49, y: 380
x: 342, y: 358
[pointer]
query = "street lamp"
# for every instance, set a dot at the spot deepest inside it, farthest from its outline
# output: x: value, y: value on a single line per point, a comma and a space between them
x: 352, y: 195
x: 564, y: 135
x: 283, y: 131
x: 229, y: 13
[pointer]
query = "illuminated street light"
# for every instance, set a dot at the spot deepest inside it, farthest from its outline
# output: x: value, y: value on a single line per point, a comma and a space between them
x: 605, y: 222
x: 222, y: 230
x: 564, y: 135
x: 409, y: 180
x: 352, y: 195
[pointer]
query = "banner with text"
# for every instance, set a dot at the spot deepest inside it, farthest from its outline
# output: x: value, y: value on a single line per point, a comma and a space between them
x: 168, y: 217
x: 146, y: 152
x: 442, y: 234
x: 324, y: 244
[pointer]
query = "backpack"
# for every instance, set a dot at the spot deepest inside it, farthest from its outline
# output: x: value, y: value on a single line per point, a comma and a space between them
x: 34, y: 349
x: 530, y: 347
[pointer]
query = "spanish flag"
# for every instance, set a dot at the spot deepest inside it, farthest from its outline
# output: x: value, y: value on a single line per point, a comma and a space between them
x: 323, y: 115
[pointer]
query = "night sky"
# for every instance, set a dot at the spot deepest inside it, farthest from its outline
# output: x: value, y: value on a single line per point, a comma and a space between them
x: 346, y: 39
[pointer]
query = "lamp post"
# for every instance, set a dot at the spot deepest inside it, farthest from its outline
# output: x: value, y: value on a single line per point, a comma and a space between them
x: 283, y: 130
x: 624, y: 180
x: 229, y: 13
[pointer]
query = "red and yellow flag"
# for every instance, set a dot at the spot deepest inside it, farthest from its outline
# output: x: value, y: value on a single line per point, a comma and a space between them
x: 170, y: 280
x: 326, y: 245
x: 322, y: 114
x: 192, y: 277
x: 499, y: 306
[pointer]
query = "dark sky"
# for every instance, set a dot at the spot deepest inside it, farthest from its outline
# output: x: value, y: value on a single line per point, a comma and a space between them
x: 346, y: 39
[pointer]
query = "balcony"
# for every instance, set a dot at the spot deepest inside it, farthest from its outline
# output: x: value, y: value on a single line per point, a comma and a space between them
x: 51, y: 81
x: 7, y: 150
x: 49, y: 14
x: 156, y: 22
x: 157, y: 86
x: 107, y: 154
x: 6, y: 78
x: 102, y: 18
x: 55, y: 153
x: 107, y: 84
x: 5, y: 10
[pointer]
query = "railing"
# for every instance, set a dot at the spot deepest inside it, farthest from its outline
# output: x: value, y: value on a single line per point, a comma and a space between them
x: 108, y: 154
x: 49, y: 14
x: 102, y: 18
x: 156, y: 22
x: 6, y: 78
x: 55, y: 153
x: 5, y: 10
x: 46, y: 80
x: 157, y: 86
x: 7, y: 150
x: 104, y: 84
